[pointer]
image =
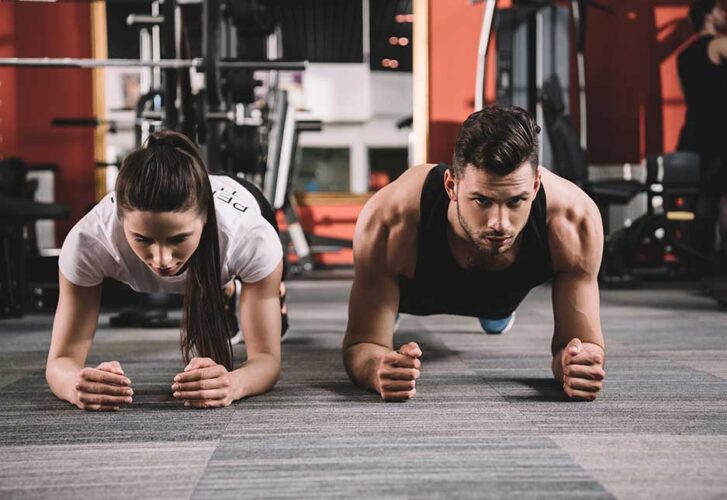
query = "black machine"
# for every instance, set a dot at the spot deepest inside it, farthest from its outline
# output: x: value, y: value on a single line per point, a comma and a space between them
x: 658, y: 242
x: 18, y: 213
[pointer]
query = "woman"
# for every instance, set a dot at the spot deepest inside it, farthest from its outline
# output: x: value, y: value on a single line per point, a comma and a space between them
x: 172, y: 227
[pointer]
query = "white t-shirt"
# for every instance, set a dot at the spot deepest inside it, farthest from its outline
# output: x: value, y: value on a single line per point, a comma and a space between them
x: 96, y: 247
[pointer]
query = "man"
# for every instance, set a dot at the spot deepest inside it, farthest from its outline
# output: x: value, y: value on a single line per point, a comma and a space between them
x: 473, y: 239
x: 703, y: 73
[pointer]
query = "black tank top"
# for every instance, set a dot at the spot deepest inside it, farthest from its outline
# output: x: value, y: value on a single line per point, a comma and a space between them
x: 705, y: 91
x: 440, y: 286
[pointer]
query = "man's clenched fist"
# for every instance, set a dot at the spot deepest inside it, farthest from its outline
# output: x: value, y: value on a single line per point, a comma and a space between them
x: 582, y: 368
x: 398, y: 372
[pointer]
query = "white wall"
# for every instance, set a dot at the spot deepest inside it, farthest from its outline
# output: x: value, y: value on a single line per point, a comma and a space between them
x: 338, y: 92
x: 359, y: 109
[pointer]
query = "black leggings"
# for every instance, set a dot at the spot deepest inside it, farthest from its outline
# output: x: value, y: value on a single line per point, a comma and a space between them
x: 266, y: 210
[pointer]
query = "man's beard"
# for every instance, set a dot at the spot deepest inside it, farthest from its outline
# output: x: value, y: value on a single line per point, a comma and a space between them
x: 477, y: 240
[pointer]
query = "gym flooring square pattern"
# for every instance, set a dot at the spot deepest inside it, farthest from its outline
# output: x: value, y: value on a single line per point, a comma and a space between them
x: 487, y: 422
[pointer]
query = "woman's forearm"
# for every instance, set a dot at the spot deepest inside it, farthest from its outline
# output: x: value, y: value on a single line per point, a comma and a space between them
x: 256, y: 376
x: 62, y: 376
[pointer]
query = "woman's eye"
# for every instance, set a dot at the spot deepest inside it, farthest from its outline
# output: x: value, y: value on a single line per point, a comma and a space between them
x: 177, y: 241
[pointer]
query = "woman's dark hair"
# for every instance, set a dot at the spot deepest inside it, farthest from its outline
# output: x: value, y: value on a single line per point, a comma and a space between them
x: 169, y: 175
x: 699, y: 10
x: 497, y: 140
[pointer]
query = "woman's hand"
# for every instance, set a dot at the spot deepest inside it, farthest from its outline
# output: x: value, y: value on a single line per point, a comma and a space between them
x: 204, y: 384
x: 104, y: 388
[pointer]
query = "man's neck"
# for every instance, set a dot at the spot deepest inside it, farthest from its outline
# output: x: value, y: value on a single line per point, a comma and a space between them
x: 708, y: 30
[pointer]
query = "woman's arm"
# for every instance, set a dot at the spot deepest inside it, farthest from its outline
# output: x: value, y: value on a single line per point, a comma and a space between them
x: 260, y: 321
x: 206, y: 384
x: 102, y: 388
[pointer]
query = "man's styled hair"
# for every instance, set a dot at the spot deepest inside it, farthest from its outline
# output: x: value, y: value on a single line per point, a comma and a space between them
x: 699, y: 10
x: 497, y: 140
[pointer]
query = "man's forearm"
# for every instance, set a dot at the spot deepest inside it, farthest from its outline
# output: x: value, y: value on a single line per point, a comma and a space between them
x: 61, y: 375
x: 362, y: 362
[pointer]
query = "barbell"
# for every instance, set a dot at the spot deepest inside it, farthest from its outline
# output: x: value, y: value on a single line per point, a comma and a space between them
x: 196, y: 63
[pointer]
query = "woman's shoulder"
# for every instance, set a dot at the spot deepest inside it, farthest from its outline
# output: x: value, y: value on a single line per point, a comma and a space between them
x: 97, y: 231
x: 89, y: 251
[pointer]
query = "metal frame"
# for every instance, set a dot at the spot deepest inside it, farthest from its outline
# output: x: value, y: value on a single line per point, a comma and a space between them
x: 578, y: 18
x: 485, y: 33
x: 197, y: 63
x: 579, y: 24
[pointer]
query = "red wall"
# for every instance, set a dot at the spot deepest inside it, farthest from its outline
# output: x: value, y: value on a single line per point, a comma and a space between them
x: 454, y: 33
x: 32, y: 97
x: 635, y: 106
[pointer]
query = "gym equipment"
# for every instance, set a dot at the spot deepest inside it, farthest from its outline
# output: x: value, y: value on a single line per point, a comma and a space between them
x: 196, y: 63
x: 658, y: 241
x: 223, y: 75
x: 234, y: 125
x: 569, y: 157
x: 18, y: 213
x: 283, y: 144
x: 529, y: 37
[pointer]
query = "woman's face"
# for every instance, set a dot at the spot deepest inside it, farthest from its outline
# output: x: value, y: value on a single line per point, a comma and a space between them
x: 164, y: 241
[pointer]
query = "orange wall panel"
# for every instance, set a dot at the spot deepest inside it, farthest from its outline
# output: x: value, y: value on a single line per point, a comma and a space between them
x: 328, y: 220
x: 673, y: 33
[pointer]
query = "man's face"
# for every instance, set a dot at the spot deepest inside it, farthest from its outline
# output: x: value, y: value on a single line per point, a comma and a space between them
x: 493, y: 209
x: 164, y: 241
x: 719, y: 17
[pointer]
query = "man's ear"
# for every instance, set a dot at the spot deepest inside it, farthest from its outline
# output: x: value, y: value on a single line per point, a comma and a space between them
x: 450, y: 184
x: 537, y: 183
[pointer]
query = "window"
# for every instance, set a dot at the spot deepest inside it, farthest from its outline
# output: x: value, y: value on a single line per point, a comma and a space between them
x: 386, y: 165
x: 322, y: 169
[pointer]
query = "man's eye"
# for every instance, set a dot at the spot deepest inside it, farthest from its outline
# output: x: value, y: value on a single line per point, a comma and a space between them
x: 482, y: 201
x: 181, y: 239
x: 516, y: 202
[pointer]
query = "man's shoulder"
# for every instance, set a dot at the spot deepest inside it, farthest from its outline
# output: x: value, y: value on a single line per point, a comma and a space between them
x: 718, y: 50
x: 575, y: 229
x: 399, y: 202
x: 387, y: 228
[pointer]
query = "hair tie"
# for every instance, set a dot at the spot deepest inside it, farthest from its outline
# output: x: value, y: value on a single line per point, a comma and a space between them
x: 152, y: 141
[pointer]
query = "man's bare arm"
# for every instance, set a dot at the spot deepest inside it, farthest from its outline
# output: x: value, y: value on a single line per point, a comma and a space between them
x: 718, y: 50
x: 578, y: 347
x: 368, y: 353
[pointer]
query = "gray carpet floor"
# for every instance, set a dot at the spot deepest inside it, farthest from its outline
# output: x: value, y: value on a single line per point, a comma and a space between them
x: 487, y: 422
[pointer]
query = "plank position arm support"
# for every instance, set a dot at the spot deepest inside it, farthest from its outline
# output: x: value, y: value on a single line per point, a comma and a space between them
x: 372, y: 306
x: 260, y: 315
x: 74, y: 327
x: 362, y: 362
x: 576, y: 249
